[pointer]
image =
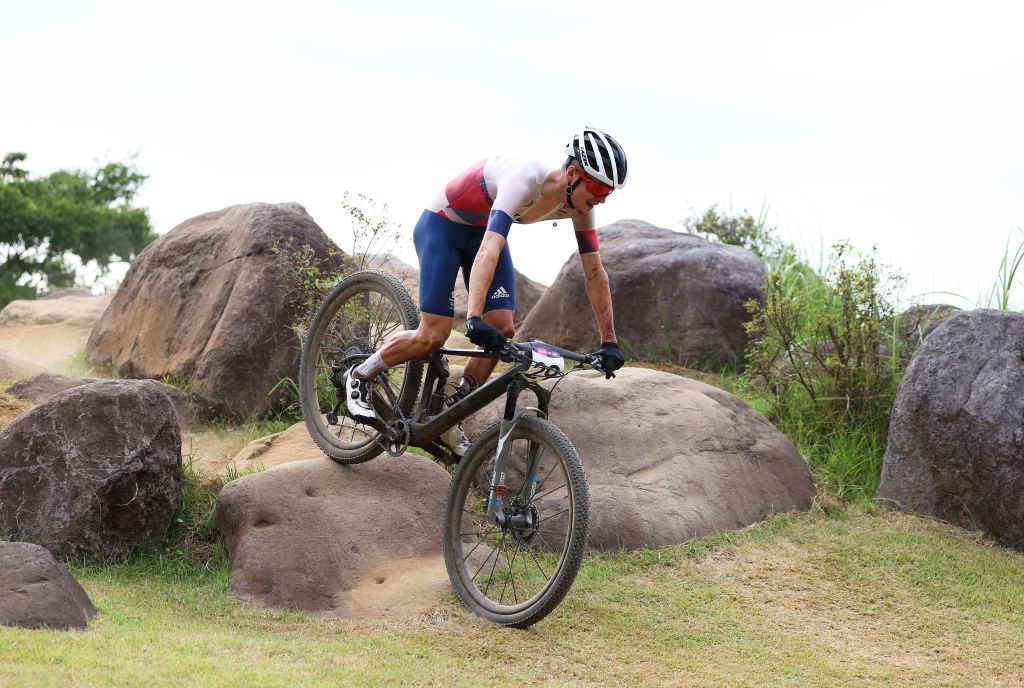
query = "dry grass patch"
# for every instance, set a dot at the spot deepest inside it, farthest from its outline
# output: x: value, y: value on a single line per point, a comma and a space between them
x: 10, y: 406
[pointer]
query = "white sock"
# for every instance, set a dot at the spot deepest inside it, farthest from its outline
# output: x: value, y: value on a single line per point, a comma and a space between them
x: 371, y: 367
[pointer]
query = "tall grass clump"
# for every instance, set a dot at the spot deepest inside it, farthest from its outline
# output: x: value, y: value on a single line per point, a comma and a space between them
x: 1007, y: 274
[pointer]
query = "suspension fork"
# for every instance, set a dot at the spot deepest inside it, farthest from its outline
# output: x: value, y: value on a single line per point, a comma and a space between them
x: 496, y: 498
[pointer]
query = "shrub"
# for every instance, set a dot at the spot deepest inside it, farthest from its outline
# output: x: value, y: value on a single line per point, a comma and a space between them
x: 738, y: 230
x: 828, y: 352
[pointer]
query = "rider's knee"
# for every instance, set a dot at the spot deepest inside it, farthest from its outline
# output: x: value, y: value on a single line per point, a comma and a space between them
x: 507, y: 330
x: 432, y: 339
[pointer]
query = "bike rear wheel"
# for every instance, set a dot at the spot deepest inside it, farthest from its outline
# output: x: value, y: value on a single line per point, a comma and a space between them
x: 515, y: 574
x: 353, y: 321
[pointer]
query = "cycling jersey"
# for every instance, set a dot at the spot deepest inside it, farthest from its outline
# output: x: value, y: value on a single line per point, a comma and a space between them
x: 487, y: 197
x: 509, y: 185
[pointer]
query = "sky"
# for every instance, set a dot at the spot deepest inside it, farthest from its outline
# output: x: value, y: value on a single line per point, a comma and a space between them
x: 894, y: 125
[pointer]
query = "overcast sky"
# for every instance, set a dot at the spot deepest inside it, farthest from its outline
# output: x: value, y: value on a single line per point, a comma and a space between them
x: 888, y: 123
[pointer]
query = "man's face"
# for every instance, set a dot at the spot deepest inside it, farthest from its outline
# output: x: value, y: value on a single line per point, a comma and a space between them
x: 590, y: 193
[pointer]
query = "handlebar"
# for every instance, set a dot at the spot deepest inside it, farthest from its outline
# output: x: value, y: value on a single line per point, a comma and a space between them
x: 588, y: 360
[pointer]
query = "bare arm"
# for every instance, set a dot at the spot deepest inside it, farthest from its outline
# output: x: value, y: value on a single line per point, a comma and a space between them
x: 483, y: 272
x: 599, y: 293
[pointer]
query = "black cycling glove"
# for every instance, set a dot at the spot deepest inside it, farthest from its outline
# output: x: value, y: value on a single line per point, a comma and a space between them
x: 483, y: 335
x: 612, y: 358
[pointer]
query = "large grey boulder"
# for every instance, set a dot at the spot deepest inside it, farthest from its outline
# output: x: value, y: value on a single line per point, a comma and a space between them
x: 669, y: 459
x: 205, y: 303
x: 37, y: 592
x: 42, y: 386
x: 94, y: 472
x: 355, y: 542
x: 956, y: 438
x: 677, y: 297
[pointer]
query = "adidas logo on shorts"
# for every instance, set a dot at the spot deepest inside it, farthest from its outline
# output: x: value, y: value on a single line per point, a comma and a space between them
x: 500, y: 293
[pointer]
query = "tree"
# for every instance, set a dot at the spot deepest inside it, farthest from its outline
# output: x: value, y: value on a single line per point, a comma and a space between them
x: 46, y: 222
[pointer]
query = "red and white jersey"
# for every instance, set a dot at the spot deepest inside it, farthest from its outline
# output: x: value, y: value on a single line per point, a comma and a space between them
x: 512, y: 185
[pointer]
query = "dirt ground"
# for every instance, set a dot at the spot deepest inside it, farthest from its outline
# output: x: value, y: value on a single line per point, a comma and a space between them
x: 49, y: 335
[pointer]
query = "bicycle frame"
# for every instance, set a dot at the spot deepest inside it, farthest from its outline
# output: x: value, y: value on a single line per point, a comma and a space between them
x: 510, y: 382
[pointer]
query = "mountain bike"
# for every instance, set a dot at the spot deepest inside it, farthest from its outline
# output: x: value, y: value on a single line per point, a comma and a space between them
x: 515, y: 520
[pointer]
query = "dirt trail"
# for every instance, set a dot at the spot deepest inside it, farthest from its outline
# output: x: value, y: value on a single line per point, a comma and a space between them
x: 49, y: 335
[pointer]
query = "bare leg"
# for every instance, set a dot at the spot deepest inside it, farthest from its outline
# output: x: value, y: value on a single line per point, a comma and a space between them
x: 481, y: 368
x: 430, y: 335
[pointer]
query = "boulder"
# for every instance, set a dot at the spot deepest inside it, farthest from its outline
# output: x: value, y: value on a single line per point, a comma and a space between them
x: 355, y: 542
x: 668, y: 458
x: 94, y: 472
x: 677, y: 297
x: 41, y: 333
x: 41, y: 386
x: 205, y: 304
x: 916, y: 323
x: 956, y: 437
x: 528, y: 291
x: 37, y: 592
x: 60, y: 293
x: 15, y: 368
x: 292, y: 444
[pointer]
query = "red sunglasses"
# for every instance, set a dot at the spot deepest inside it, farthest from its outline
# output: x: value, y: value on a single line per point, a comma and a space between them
x: 595, y: 188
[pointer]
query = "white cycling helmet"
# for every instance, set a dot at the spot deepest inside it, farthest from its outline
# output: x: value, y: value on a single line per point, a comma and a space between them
x: 600, y: 155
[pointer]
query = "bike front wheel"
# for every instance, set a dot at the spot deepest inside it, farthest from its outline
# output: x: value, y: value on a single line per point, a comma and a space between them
x: 516, y: 573
x: 354, y: 320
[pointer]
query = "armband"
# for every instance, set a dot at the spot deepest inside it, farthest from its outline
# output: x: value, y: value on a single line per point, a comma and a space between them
x: 587, y: 241
x: 499, y: 222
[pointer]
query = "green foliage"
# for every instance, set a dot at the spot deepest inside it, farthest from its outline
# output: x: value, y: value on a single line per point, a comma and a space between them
x: 373, y: 231
x: 48, y: 222
x: 308, y: 277
x: 828, y: 352
x: 194, y: 536
x: 747, y: 231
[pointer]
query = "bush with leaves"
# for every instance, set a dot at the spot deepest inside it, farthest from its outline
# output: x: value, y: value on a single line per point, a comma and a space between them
x: 829, y: 355
x: 307, y: 277
x: 747, y: 231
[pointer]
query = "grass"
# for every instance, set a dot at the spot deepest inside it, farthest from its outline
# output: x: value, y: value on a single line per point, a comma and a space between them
x: 10, y: 406
x: 837, y: 597
x: 75, y: 365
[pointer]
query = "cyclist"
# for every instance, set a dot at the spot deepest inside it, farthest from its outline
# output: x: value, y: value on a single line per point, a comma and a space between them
x: 467, y: 227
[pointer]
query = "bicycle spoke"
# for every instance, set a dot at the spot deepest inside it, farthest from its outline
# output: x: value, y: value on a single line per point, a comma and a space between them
x: 356, y: 318
x: 541, y: 568
x: 511, y: 572
x: 539, y: 495
x: 517, y: 577
x: 490, y: 576
x: 559, y: 513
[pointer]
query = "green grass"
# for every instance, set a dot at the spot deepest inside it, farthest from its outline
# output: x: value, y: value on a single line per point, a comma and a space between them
x: 75, y: 365
x: 837, y: 598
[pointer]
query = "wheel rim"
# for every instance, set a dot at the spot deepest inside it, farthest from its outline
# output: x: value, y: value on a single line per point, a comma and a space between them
x: 359, y: 322
x: 507, y: 569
